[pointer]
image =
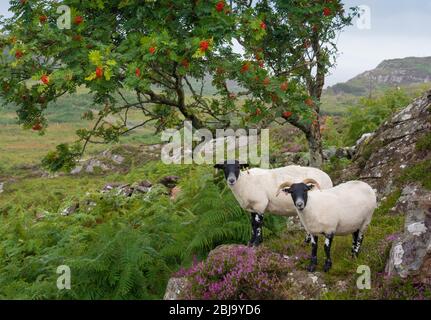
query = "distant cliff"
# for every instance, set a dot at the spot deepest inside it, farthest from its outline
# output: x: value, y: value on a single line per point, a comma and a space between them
x: 389, y: 73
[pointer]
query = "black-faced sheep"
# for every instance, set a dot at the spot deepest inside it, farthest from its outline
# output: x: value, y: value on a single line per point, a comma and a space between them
x: 342, y: 210
x: 255, y: 190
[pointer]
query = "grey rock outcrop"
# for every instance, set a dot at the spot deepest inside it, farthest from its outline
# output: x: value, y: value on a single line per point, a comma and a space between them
x: 411, y: 253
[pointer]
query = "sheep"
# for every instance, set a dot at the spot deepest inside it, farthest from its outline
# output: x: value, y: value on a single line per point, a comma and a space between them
x: 255, y: 189
x: 345, y: 209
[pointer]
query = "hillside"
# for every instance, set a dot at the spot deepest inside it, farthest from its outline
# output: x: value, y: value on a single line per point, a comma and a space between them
x: 389, y: 73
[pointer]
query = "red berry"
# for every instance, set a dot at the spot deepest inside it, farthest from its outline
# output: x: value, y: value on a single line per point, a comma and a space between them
x: 284, y: 86
x: 287, y: 114
x: 19, y: 54
x: 152, y: 50
x: 78, y: 20
x: 185, y: 63
x: 99, y: 72
x: 245, y: 67
x: 77, y: 37
x: 263, y: 25
x: 309, y: 102
x: 138, y: 72
x: 37, y: 127
x: 327, y: 12
x: 258, y: 112
x: 204, y: 45
x: 44, y: 79
x: 266, y: 81
x: 220, y: 6
x: 43, y: 19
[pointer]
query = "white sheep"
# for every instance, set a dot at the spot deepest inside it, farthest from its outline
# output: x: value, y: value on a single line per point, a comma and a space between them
x: 255, y: 190
x: 341, y: 210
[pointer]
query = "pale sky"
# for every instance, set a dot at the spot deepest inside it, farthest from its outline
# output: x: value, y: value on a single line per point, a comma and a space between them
x: 399, y: 29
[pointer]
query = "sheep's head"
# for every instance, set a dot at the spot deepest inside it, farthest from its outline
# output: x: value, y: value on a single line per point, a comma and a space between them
x: 299, y: 191
x: 231, y: 169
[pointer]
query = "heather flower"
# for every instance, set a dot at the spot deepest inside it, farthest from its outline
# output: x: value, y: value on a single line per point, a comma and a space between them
x: 237, y: 272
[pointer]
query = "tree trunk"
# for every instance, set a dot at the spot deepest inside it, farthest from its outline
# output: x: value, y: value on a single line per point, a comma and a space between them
x: 314, y: 139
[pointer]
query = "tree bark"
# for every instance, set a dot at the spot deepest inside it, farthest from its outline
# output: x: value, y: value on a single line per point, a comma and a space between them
x: 314, y: 139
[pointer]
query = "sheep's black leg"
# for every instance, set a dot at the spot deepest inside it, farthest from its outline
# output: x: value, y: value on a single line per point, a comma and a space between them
x: 313, y: 261
x: 253, y: 230
x: 358, y: 237
x: 256, y: 225
x: 307, y: 238
x: 328, y: 243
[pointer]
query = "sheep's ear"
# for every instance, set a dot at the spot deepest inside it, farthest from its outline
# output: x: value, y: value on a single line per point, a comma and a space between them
x: 244, y: 165
x: 286, y: 190
x: 219, y: 166
x: 310, y: 186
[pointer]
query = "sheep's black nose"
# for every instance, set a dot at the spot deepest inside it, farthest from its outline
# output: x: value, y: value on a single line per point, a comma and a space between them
x: 231, y: 181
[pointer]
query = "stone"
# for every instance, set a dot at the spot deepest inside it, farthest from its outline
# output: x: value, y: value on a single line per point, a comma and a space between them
x: 169, y: 181
x: 411, y: 253
x: 118, y: 159
x: 70, y: 210
x: 302, y: 285
x: 175, y: 288
x: 1, y: 187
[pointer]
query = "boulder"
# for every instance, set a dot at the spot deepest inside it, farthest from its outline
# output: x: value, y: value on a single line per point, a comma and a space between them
x: 411, y: 252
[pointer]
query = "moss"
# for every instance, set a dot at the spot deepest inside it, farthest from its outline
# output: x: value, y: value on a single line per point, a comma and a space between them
x: 424, y: 143
x: 367, y: 152
x: 389, y: 203
x: 420, y: 172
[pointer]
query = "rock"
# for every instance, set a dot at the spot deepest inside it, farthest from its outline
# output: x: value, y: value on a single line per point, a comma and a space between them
x: 175, y: 288
x: 329, y: 153
x: 70, y: 210
x: 110, y: 186
x: 411, y: 252
x: 170, y: 181
x: 362, y: 139
x: 303, y: 285
x: 77, y: 170
x: 1, y: 187
x: 117, y: 159
x: 143, y: 186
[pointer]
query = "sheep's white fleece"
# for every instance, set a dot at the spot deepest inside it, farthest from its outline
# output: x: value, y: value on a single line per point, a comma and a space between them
x: 256, y: 189
x: 341, y: 210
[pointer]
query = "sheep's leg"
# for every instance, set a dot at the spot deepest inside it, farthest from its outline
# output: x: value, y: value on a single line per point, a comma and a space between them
x: 313, y: 261
x: 358, y: 238
x: 307, y: 238
x: 256, y: 224
x: 253, y: 230
x: 328, y: 244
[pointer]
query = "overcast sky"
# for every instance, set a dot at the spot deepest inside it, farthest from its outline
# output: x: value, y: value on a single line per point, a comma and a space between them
x: 399, y: 28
